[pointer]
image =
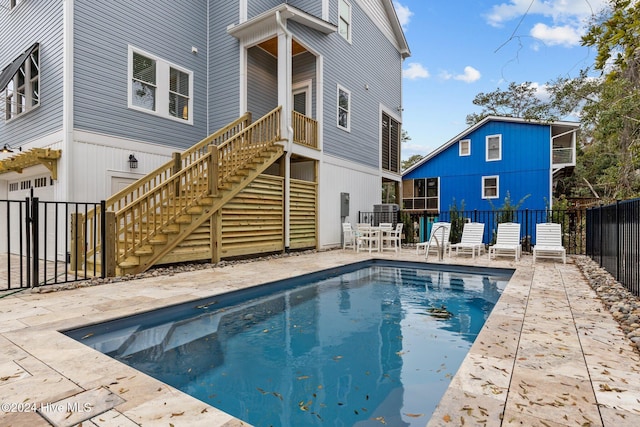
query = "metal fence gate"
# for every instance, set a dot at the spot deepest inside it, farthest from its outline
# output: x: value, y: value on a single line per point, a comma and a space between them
x: 35, y: 243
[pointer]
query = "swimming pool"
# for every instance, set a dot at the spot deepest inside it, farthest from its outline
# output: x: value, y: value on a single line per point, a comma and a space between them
x: 370, y: 343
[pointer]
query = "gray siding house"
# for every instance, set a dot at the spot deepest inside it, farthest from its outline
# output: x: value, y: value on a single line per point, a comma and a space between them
x: 95, y: 83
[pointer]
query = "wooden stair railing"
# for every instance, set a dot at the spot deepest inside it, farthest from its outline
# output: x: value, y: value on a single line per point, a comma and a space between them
x: 137, y: 189
x: 169, y: 202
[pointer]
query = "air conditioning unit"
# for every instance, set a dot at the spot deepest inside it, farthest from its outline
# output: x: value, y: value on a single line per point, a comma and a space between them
x: 386, y: 207
x: 387, y: 212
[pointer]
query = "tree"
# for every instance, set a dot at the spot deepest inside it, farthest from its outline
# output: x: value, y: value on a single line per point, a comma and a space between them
x: 406, y: 164
x: 519, y: 100
x: 614, y: 112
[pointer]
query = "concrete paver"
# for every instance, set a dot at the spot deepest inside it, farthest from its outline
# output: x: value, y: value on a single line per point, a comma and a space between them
x: 548, y: 355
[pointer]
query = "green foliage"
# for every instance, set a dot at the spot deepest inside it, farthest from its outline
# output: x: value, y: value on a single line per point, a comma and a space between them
x: 407, y: 228
x: 507, y: 212
x: 406, y: 164
x: 518, y: 100
x: 457, y: 221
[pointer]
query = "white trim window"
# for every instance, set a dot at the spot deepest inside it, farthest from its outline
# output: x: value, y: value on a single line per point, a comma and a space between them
x: 494, y: 148
x: 159, y: 87
x: 464, y: 146
x: 22, y: 93
x: 344, y: 109
x: 344, y: 19
x: 490, y: 187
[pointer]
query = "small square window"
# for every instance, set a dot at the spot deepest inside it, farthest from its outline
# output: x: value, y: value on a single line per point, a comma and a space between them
x: 464, y: 146
x: 490, y: 187
x: 494, y: 148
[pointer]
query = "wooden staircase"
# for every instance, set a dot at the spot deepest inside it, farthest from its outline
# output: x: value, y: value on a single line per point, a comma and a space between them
x: 147, y: 220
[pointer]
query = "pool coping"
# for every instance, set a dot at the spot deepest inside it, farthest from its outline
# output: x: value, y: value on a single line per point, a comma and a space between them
x: 547, y: 321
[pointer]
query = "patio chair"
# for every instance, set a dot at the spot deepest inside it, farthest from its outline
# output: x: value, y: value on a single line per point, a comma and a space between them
x: 471, y: 241
x: 368, y: 237
x: 439, y: 239
x: 549, y: 242
x: 391, y: 238
x: 507, y: 241
x: 348, y: 236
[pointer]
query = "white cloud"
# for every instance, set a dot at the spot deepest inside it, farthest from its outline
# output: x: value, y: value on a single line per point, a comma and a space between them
x: 415, y: 71
x: 469, y: 75
x: 404, y: 14
x: 560, y: 35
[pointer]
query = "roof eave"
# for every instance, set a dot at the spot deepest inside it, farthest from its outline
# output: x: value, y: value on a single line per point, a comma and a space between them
x: 268, y: 19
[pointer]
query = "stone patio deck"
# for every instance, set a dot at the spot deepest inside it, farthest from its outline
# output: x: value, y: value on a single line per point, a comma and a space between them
x: 549, y: 355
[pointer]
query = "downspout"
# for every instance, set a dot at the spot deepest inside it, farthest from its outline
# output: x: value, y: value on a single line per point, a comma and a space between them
x: 67, y: 190
x: 288, y: 148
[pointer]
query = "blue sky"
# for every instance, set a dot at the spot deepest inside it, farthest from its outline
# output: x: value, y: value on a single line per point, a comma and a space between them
x: 460, y: 48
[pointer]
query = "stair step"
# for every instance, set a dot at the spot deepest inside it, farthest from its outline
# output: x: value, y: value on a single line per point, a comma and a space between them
x: 184, y: 219
x: 144, y: 250
x: 159, y: 239
x: 171, y: 229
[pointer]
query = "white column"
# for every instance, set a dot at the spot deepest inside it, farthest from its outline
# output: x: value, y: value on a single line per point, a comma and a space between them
x: 284, y: 100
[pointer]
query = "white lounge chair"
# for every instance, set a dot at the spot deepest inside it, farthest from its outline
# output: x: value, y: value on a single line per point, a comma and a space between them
x: 348, y: 236
x: 471, y: 241
x: 391, y: 238
x: 549, y: 242
x: 507, y: 241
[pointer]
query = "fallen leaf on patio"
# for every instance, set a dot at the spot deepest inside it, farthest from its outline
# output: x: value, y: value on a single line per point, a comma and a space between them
x: 414, y: 415
x: 176, y: 414
x: 446, y: 418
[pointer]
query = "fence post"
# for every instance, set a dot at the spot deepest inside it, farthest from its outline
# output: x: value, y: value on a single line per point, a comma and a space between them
x: 34, y: 238
x: 618, y: 240
x: 527, y: 236
x: 600, y: 210
x: 109, y: 244
x: 77, y: 241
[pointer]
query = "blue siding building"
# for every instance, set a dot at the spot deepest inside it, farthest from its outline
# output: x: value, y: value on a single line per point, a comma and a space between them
x: 498, y: 157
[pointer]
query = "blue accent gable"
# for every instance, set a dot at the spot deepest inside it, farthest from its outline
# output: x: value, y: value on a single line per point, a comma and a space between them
x: 524, y: 170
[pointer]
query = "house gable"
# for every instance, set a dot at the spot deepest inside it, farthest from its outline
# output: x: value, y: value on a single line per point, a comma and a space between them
x: 523, y: 169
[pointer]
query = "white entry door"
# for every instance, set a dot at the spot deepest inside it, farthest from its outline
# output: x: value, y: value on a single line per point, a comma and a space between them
x: 120, y: 182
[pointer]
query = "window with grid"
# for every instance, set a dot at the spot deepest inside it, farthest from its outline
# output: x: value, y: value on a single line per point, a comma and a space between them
x: 344, y: 108
x: 22, y: 93
x: 421, y: 194
x: 464, y: 146
x: 494, y: 148
x: 159, y: 87
x: 344, y: 20
x: 490, y: 187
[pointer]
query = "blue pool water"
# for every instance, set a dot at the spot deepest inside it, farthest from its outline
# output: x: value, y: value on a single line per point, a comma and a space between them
x: 373, y: 343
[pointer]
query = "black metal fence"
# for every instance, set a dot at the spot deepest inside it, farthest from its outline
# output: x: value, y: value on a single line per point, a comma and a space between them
x: 613, y: 241
x: 36, y: 243
x: 418, y: 224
